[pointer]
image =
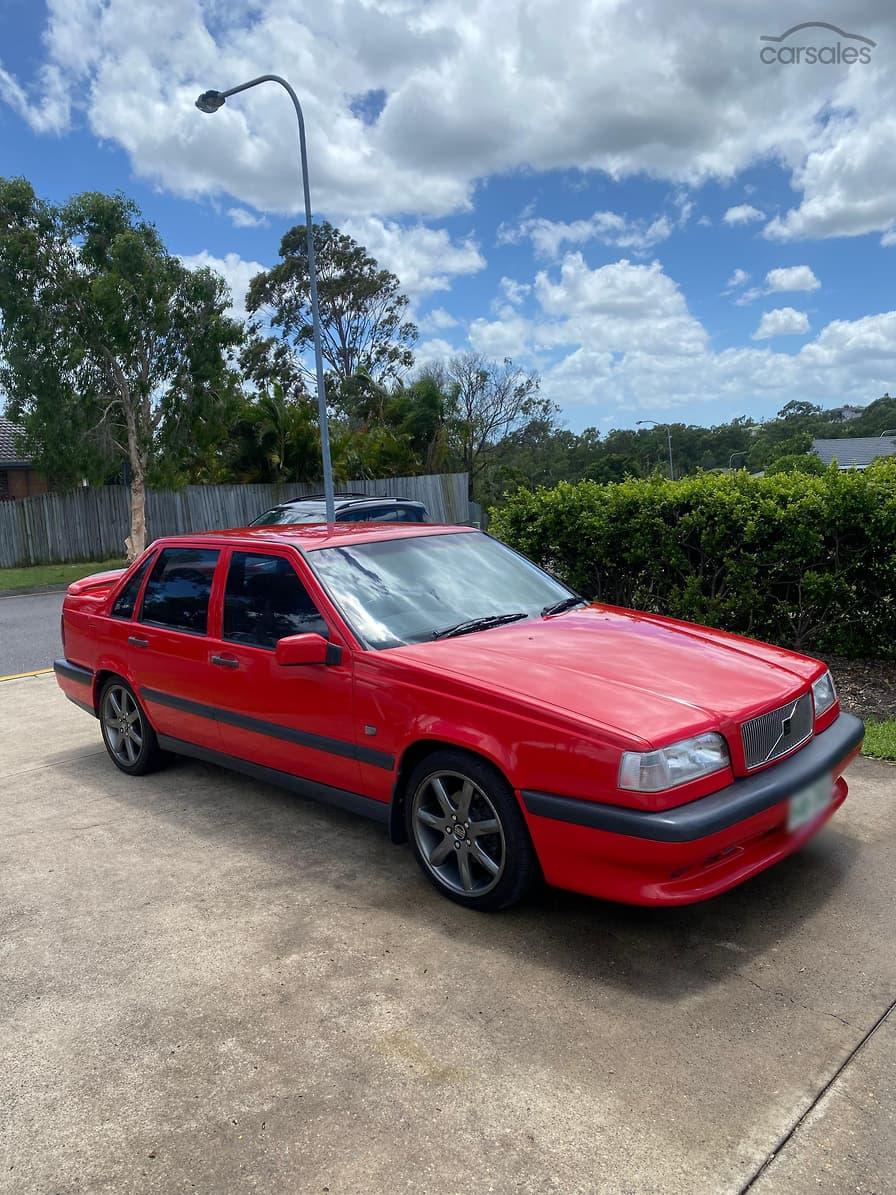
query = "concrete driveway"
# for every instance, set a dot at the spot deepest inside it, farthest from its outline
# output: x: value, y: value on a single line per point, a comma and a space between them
x: 212, y: 986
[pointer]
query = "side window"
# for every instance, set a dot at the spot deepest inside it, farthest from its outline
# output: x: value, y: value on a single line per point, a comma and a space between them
x: 123, y: 606
x: 178, y: 589
x: 264, y: 601
x: 397, y: 514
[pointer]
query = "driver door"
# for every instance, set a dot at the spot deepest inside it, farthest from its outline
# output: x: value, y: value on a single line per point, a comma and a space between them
x: 293, y: 719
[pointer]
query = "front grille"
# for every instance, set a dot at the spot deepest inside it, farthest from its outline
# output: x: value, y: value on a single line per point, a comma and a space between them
x: 777, y: 732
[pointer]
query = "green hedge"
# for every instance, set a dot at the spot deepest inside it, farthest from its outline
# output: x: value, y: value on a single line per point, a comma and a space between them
x: 808, y: 562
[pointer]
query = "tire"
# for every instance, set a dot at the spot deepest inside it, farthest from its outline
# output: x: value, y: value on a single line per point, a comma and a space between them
x: 467, y: 831
x: 129, y: 738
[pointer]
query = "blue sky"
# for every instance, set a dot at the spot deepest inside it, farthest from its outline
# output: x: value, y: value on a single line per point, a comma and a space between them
x: 628, y: 200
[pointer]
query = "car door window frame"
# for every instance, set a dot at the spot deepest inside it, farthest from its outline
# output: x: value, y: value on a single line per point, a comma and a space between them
x: 211, y: 606
x: 150, y: 561
x: 302, y: 575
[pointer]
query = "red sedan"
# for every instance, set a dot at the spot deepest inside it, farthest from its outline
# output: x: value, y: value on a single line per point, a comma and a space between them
x: 435, y: 680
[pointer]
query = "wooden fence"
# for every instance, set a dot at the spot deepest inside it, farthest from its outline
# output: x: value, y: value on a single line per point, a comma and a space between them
x: 92, y: 524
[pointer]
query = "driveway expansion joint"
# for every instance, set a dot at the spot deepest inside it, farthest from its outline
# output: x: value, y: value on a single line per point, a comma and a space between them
x: 816, y: 1100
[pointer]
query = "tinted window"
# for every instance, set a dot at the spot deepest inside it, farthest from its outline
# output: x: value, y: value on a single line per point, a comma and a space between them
x: 264, y: 601
x: 397, y: 514
x: 123, y: 606
x: 391, y: 513
x: 178, y: 589
x: 295, y: 512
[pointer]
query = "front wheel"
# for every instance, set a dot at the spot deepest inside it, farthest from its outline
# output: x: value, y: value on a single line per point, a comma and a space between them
x: 468, y: 833
x: 129, y: 738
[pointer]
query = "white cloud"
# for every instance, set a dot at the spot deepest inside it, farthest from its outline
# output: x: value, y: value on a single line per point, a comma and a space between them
x: 432, y: 351
x: 737, y: 279
x: 424, y: 259
x: 241, y: 218
x: 622, y: 337
x: 236, y: 272
x: 746, y: 297
x: 680, y: 96
x: 514, y: 292
x: 621, y: 308
x: 782, y: 321
x: 789, y: 278
x: 744, y: 213
x: 509, y: 335
x: 437, y: 320
x: 785, y: 278
x: 548, y: 237
x: 848, y: 176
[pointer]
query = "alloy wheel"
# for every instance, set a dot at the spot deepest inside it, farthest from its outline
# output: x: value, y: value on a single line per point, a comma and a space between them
x: 459, y: 833
x: 123, y: 725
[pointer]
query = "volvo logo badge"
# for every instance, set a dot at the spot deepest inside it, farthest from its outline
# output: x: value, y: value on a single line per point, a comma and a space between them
x: 785, y: 727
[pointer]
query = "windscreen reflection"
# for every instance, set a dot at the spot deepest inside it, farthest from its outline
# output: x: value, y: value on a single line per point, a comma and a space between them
x: 401, y: 591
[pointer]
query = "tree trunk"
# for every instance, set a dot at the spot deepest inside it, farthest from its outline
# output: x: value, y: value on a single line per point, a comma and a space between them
x: 136, y: 541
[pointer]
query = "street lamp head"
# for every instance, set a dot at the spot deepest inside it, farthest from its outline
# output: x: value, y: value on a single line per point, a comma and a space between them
x: 210, y: 101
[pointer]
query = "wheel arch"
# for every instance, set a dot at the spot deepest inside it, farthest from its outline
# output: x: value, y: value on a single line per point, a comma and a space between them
x: 99, y: 681
x: 412, y: 755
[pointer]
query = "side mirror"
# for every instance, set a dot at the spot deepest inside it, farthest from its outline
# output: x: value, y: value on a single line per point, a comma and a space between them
x: 304, y: 649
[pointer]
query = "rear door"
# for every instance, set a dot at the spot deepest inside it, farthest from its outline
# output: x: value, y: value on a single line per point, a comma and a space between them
x: 297, y: 719
x: 169, y: 654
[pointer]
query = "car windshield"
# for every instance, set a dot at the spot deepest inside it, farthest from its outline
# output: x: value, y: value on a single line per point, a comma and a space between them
x: 296, y: 512
x: 399, y: 591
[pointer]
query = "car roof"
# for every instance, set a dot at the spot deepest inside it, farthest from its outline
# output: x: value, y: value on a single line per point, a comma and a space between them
x: 309, y: 536
x: 347, y: 500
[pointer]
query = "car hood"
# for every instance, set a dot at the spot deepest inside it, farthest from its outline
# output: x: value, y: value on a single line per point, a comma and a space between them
x: 647, y: 676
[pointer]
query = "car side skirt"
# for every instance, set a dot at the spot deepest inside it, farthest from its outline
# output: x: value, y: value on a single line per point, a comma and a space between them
x: 743, y: 799
x: 342, y: 798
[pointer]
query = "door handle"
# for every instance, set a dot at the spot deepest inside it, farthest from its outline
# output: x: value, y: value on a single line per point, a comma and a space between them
x: 226, y: 661
x: 136, y: 641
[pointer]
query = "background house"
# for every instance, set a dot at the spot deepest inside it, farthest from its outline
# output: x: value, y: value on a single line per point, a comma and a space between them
x: 848, y: 412
x: 18, y: 477
x: 854, y: 452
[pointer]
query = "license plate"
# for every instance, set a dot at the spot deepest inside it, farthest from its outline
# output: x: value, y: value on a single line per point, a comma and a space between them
x: 806, y: 805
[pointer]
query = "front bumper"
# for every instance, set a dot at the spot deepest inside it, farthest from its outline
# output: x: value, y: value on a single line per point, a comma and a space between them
x: 696, y: 850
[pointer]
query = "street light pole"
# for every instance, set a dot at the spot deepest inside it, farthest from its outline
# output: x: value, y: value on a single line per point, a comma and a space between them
x: 211, y: 101
x: 640, y: 422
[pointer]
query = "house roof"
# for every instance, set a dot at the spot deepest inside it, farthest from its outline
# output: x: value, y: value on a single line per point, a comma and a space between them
x: 854, y: 452
x: 9, y: 453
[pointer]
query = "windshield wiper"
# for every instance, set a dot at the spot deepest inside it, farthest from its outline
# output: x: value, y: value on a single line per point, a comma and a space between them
x: 566, y: 603
x: 478, y: 624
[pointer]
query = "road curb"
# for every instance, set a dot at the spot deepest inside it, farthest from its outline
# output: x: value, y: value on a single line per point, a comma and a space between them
x: 26, y: 675
x: 26, y: 590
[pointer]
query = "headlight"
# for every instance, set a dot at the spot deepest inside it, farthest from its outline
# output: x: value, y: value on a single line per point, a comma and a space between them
x: 652, y: 771
x: 823, y: 693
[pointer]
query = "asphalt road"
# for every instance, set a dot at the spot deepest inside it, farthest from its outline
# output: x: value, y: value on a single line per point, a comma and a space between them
x: 29, y: 632
x: 210, y: 985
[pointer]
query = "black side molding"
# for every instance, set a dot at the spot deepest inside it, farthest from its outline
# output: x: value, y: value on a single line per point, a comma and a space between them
x: 319, y: 742
x: 718, y: 811
x: 377, y: 811
x: 73, y: 672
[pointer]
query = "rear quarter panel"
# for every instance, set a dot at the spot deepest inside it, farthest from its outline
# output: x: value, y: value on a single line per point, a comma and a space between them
x: 92, y: 639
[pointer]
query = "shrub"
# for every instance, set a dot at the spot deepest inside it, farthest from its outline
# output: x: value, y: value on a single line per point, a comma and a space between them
x: 804, y: 561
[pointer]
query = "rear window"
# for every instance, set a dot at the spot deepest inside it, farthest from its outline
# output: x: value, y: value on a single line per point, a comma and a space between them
x: 123, y: 607
x: 178, y: 590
